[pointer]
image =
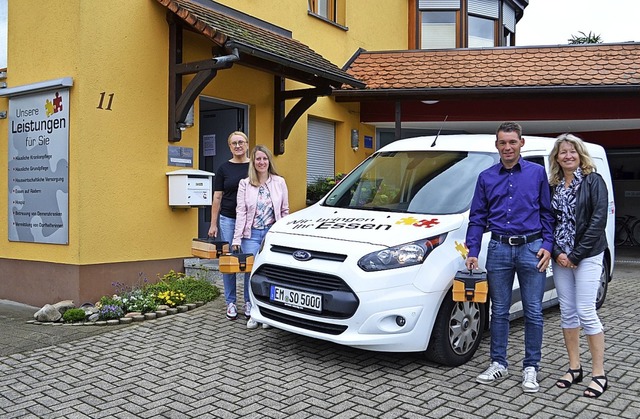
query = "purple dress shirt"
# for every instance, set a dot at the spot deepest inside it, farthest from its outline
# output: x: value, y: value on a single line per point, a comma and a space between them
x: 511, y: 202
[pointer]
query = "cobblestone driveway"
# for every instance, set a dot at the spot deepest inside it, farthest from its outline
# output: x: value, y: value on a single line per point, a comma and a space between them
x: 200, y: 365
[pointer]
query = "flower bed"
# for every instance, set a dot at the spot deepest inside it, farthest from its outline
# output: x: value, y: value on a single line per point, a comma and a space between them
x: 173, y: 292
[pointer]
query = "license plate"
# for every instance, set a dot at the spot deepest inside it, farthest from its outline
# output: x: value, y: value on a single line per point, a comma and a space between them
x: 297, y: 299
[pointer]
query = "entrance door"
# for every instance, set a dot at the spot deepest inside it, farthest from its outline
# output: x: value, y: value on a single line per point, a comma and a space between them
x: 218, y: 119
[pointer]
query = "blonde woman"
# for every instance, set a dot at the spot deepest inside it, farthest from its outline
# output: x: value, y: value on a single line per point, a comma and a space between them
x: 580, y: 202
x: 262, y: 200
x: 223, y: 210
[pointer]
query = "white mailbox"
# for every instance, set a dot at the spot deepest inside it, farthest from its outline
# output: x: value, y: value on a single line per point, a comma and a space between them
x: 190, y: 188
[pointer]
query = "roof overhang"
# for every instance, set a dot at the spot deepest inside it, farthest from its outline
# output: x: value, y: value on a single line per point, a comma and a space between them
x: 265, y: 49
x: 244, y: 40
x: 363, y: 95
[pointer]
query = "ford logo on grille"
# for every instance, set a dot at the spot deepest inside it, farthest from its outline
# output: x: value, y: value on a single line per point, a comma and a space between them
x: 301, y: 255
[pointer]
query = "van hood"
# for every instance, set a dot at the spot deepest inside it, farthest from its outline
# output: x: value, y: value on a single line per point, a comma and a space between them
x: 361, y: 226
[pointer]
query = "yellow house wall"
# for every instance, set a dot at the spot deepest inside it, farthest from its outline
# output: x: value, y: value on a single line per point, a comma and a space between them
x: 117, y: 158
x: 338, y: 46
x: 118, y: 201
x: 32, y: 58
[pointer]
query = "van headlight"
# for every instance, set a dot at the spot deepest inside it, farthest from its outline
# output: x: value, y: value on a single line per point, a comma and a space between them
x: 407, y: 254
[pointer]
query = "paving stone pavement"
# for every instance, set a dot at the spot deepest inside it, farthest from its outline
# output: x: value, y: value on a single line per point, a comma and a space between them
x: 200, y: 365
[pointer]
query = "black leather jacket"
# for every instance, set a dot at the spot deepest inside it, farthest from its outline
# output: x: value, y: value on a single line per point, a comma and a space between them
x: 592, y: 206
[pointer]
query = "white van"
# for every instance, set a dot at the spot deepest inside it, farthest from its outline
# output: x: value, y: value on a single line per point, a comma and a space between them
x: 372, y: 264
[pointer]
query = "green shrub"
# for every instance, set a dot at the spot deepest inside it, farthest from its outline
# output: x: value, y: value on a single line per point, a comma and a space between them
x: 73, y: 315
x: 157, y: 288
x: 321, y: 186
x: 198, y: 289
x: 194, y: 289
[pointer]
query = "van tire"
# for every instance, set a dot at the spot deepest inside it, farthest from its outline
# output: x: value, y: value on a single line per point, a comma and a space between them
x: 457, y: 332
x: 605, y: 277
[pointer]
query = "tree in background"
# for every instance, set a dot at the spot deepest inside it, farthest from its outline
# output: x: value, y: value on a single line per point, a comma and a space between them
x: 589, y: 38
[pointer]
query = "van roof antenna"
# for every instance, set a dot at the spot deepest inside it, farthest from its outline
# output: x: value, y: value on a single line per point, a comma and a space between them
x: 433, y: 144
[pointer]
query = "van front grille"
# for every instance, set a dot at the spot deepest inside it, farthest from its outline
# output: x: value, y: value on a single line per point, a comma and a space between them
x: 299, y: 278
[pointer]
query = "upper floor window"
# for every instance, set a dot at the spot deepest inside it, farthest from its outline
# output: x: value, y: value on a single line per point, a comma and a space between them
x: 481, y: 32
x: 442, y: 23
x: 438, y: 30
x: 325, y: 8
x: 330, y: 10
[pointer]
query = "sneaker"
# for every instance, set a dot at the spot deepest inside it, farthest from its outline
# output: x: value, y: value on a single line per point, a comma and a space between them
x: 232, y: 311
x: 247, y: 309
x: 252, y: 324
x: 265, y: 326
x: 493, y: 373
x: 529, y: 382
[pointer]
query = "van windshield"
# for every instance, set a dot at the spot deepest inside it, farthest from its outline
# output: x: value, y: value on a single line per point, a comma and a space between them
x: 426, y: 182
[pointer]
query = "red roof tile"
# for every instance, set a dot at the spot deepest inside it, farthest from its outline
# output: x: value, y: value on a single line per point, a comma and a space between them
x: 557, y: 66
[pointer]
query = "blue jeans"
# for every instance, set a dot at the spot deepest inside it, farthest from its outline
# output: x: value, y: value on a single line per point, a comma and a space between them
x: 227, y: 226
x: 503, y: 261
x: 252, y: 245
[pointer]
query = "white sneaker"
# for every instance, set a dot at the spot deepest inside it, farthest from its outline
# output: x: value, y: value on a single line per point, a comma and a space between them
x: 247, y: 309
x: 529, y: 382
x: 493, y: 373
x: 232, y: 311
x: 252, y: 324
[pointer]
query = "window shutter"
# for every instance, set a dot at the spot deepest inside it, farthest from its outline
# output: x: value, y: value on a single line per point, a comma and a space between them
x: 438, y: 4
x: 438, y: 36
x: 487, y: 8
x: 321, y: 138
x: 509, y: 17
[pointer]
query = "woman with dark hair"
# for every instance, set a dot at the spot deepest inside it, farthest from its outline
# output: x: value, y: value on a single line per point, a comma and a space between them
x: 262, y: 200
x: 580, y: 202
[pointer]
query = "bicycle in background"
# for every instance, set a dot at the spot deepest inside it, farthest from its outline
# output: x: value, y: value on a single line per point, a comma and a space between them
x: 627, y: 232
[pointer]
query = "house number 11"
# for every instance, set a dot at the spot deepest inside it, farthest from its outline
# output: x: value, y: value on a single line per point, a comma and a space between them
x: 102, y: 95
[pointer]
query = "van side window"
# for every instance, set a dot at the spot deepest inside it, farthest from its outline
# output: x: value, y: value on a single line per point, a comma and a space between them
x: 535, y: 159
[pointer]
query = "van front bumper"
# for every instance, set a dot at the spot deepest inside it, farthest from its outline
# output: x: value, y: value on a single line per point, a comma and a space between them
x: 391, y: 320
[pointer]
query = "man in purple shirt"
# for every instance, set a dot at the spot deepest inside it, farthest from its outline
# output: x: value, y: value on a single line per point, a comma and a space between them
x: 512, y: 200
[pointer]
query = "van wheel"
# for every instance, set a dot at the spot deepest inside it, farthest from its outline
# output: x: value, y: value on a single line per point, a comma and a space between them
x: 457, y: 332
x: 604, y: 284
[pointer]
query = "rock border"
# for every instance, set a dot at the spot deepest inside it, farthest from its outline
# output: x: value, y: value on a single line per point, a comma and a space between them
x: 129, y: 318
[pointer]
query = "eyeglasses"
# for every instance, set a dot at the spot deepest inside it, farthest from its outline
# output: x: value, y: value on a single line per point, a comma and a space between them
x: 238, y: 143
